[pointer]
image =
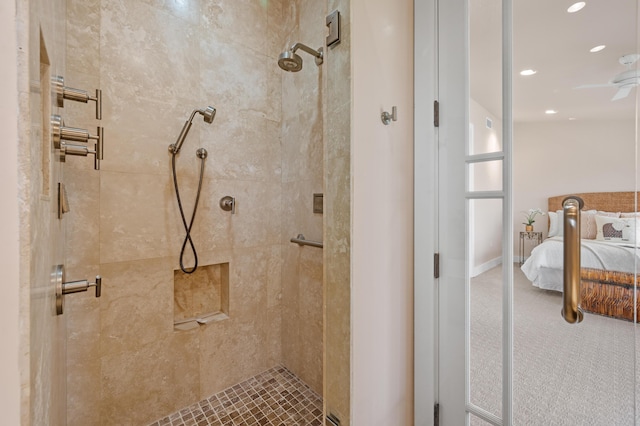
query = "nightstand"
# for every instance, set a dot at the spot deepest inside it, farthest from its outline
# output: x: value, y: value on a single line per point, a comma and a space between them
x: 534, y: 237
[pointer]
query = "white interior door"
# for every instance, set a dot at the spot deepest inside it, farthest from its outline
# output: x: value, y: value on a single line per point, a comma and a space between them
x: 504, y: 354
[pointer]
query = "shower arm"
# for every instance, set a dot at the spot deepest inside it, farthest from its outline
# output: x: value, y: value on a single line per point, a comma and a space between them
x: 317, y: 54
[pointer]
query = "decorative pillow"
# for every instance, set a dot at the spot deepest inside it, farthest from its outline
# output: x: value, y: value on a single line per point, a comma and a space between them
x: 588, y: 227
x: 630, y: 214
x: 617, y: 229
x: 559, y: 214
x: 553, y: 224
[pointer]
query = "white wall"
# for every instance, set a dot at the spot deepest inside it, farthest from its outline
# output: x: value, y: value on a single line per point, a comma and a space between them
x: 486, y: 232
x: 382, y: 215
x: 560, y: 158
x: 9, y: 249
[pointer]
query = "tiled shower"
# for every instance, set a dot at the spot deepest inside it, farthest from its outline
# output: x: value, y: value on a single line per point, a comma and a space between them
x: 156, y: 60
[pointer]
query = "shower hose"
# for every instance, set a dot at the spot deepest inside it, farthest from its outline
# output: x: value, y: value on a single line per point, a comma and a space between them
x: 187, y: 228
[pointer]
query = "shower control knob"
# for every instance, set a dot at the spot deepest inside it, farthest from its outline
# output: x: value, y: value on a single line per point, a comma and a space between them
x: 62, y: 288
x: 60, y: 132
x: 83, y: 150
x: 69, y: 93
x: 228, y: 204
x: 82, y: 285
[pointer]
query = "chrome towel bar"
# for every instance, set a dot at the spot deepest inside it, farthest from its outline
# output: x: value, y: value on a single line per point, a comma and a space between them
x: 300, y: 240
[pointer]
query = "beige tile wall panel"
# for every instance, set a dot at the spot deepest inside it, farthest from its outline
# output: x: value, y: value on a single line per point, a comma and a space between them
x: 148, y: 49
x: 240, y: 23
x: 138, y: 131
x: 337, y: 222
x: 139, y: 217
x: 242, y: 145
x: 82, y: 239
x: 157, y: 61
x: 232, y: 350
x: 302, y: 175
x: 255, y: 223
x: 159, y: 377
x: 83, y: 351
x: 235, y: 77
x: 42, y: 349
x: 137, y: 309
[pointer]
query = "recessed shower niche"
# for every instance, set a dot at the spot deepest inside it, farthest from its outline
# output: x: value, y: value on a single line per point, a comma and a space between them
x: 201, y: 297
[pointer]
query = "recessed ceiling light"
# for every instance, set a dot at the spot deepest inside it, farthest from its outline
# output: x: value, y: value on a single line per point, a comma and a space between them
x: 576, y: 7
x: 572, y: 118
x: 528, y: 72
x: 597, y: 48
x: 551, y: 111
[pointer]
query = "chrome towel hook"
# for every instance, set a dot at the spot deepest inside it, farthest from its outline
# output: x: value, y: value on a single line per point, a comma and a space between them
x: 388, y: 118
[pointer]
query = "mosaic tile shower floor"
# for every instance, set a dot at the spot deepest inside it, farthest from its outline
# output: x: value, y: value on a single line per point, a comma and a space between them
x: 276, y: 397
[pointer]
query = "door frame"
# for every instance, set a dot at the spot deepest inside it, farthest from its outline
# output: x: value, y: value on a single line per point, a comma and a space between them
x: 425, y: 213
x: 442, y: 73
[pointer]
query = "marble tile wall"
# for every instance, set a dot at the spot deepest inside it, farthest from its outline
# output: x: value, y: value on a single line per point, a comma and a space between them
x: 157, y: 60
x: 337, y: 222
x: 41, y: 53
x: 303, y: 168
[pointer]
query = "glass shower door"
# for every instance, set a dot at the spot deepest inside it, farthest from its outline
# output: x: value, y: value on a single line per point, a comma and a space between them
x: 549, y: 118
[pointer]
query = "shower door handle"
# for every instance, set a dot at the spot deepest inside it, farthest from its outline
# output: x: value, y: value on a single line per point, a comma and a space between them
x: 571, y: 311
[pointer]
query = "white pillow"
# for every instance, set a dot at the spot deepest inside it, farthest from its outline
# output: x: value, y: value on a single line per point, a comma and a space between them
x: 588, y: 227
x: 617, y: 229
x: 553, y: 224
x: 560, y: 215
x: 584, y: 219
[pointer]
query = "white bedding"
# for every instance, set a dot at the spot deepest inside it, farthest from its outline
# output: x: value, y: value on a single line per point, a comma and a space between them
x: 544, y: 267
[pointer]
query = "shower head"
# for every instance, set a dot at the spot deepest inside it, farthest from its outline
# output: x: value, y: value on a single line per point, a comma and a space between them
x: 208, y: 115
x: 290, y: 61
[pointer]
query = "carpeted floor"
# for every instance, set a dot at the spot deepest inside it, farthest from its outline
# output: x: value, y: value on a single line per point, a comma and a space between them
x: 564, y: 374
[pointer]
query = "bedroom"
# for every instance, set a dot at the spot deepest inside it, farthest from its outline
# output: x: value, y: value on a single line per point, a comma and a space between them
x: 587, y: 145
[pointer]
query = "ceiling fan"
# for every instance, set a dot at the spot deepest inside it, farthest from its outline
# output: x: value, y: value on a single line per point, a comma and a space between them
x: 624, y: 81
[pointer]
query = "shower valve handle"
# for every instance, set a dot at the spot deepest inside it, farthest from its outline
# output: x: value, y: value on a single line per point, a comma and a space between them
x: 69, y: 93
x: 83, y: 151
x: 82, y: 285
x: 60, y: 132
x: 228, y: 204
x: 63, y: 287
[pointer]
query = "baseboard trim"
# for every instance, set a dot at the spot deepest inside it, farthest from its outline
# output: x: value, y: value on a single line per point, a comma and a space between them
x: 486, y: 266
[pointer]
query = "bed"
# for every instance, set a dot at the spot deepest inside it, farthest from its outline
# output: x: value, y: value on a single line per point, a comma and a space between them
x: 610, y: 264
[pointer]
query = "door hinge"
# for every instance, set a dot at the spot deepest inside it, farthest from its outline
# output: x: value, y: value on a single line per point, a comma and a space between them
x: 436, y: 113
x: 436, y: 265
x: 436, y: 415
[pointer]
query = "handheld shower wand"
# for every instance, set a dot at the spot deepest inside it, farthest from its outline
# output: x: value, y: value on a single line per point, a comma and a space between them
x: 208, y: 115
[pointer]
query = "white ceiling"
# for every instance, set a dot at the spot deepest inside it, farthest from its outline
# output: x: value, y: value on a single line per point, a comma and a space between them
x: 556, y: 44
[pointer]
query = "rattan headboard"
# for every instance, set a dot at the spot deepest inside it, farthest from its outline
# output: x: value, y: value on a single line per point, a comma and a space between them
x: 605, y: 201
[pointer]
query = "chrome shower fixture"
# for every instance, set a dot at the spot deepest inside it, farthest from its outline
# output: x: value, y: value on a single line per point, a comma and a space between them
x: 290, y: 61
x: 208, y: 115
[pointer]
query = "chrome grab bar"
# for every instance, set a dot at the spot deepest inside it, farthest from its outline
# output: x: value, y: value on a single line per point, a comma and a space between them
x: 300, y: 240
x: 571, y: 311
